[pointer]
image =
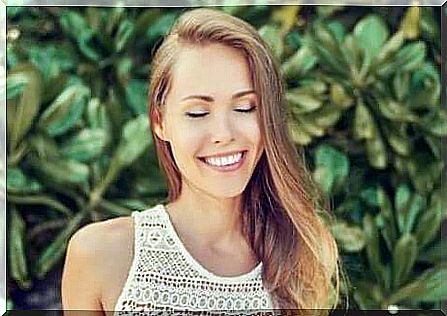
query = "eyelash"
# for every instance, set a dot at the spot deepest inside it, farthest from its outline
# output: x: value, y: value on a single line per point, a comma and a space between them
x: 197, y: 115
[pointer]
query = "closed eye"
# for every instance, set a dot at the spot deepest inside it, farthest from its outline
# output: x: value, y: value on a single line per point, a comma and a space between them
x: 202, y: 114
x: 246, y: 110
x: 196, y: 114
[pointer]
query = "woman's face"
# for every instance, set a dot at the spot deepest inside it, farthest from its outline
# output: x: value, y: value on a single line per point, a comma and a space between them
x: 211, y: 120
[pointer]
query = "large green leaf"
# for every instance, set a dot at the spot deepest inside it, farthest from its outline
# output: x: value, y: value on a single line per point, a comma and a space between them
x: 18, y: 265
x: 135, y: 140
x: 297, y: 134
x: 124, y: 35
x: 322, y: 41
x: 62, y: 171
x: 136, y: 96
x: 75, y: 25
x: 299, y: 64
x: 18, y: 182
x: 386, y: 219
x: 408, y: 205
x: 388, y: 50
x: 373, y: 249
x: 309, y: 126
x: 430, y: 27
x: 353, y: 53
x: 396, y: 135
x: 338, y: 29
x: 350, y: 238
x: 395, y: 111
x: 272, y: 35
x: 325, y: 117
x: 401, y: 85
x: 428, y: 287
x: 411, y: 56
x: 54, y: 86
x: 376, y: 152
x: 429, y: 225
x: 369, y: 196
x: 340, y: 97
x: 404, y: 257
x: 435, y: 145
x: 124, y: 70
x: 371, y: 34
x: 425, y: 87
x: 160, y: 26
x: 364, y: 125
x: 325, y: 178
x: 66, y: 111
x: 332, y: 168
x: 112, y: 19
x: 301, y: 102
x: 286, y: 17
x: 88, y: 144
x: 97, y: 116
x: 51, y: 60
x: 402, y: 198
x: 15, y: 84
x: 28, y: 107
x: 410, y: 23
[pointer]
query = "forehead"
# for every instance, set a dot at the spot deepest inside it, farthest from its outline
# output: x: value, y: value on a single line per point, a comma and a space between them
x: 212, y: 69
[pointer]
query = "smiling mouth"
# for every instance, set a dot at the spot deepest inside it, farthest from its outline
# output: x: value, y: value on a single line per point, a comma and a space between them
x: 228, y: 162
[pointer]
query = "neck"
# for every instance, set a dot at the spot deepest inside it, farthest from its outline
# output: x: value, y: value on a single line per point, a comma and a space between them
x: 216, y: 221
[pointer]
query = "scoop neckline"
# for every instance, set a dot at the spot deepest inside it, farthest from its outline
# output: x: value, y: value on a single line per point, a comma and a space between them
x: 196, y: 264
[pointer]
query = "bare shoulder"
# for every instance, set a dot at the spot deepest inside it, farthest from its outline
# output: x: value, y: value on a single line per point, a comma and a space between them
x: 103, y: 238
x: 104, y: 247
x: 98, y: 256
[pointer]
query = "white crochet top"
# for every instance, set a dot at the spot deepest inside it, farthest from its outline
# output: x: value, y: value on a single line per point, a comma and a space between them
x: 165, y: 277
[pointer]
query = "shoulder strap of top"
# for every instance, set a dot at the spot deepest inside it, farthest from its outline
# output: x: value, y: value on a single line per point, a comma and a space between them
x: 143, y: 220
x: 138, y: 218
x: 135, y: 215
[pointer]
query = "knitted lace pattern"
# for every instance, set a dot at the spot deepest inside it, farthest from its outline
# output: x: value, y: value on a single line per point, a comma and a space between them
x: 165, y: 277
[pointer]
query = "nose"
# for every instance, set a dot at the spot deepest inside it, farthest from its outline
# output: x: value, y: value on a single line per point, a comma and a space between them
x: 222, y: 129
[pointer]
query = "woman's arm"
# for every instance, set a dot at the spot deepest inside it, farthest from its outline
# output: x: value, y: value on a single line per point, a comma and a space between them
x: 81, y: 280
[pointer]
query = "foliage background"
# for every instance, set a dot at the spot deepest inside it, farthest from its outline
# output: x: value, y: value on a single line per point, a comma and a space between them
x: 364, y: 104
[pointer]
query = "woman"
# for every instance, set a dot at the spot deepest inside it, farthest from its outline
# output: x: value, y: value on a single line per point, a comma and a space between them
x: 241, y: 229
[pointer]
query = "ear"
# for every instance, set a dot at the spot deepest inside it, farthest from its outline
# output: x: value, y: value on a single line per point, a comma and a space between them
x: 159, y: 129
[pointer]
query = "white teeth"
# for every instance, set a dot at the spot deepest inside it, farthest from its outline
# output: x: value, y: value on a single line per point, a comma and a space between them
x: 224, y: 161
x: 212, y: 161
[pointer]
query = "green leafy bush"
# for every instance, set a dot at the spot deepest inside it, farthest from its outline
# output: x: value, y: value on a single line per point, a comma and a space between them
x: 363, y: 93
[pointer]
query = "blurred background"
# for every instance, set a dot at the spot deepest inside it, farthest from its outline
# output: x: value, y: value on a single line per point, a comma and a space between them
x: 364, y: 101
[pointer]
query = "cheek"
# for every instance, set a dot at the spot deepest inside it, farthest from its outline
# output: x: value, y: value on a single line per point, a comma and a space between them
x: 185, y: 143
x: 251, y: 129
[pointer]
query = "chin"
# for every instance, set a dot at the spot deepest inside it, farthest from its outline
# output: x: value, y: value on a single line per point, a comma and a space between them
x: 226, y: 193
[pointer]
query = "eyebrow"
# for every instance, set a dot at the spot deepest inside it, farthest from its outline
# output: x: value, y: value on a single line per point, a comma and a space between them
x: 208, y: 98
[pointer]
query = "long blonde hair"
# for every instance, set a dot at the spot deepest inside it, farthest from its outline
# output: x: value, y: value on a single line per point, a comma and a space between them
x: 280, y: 202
